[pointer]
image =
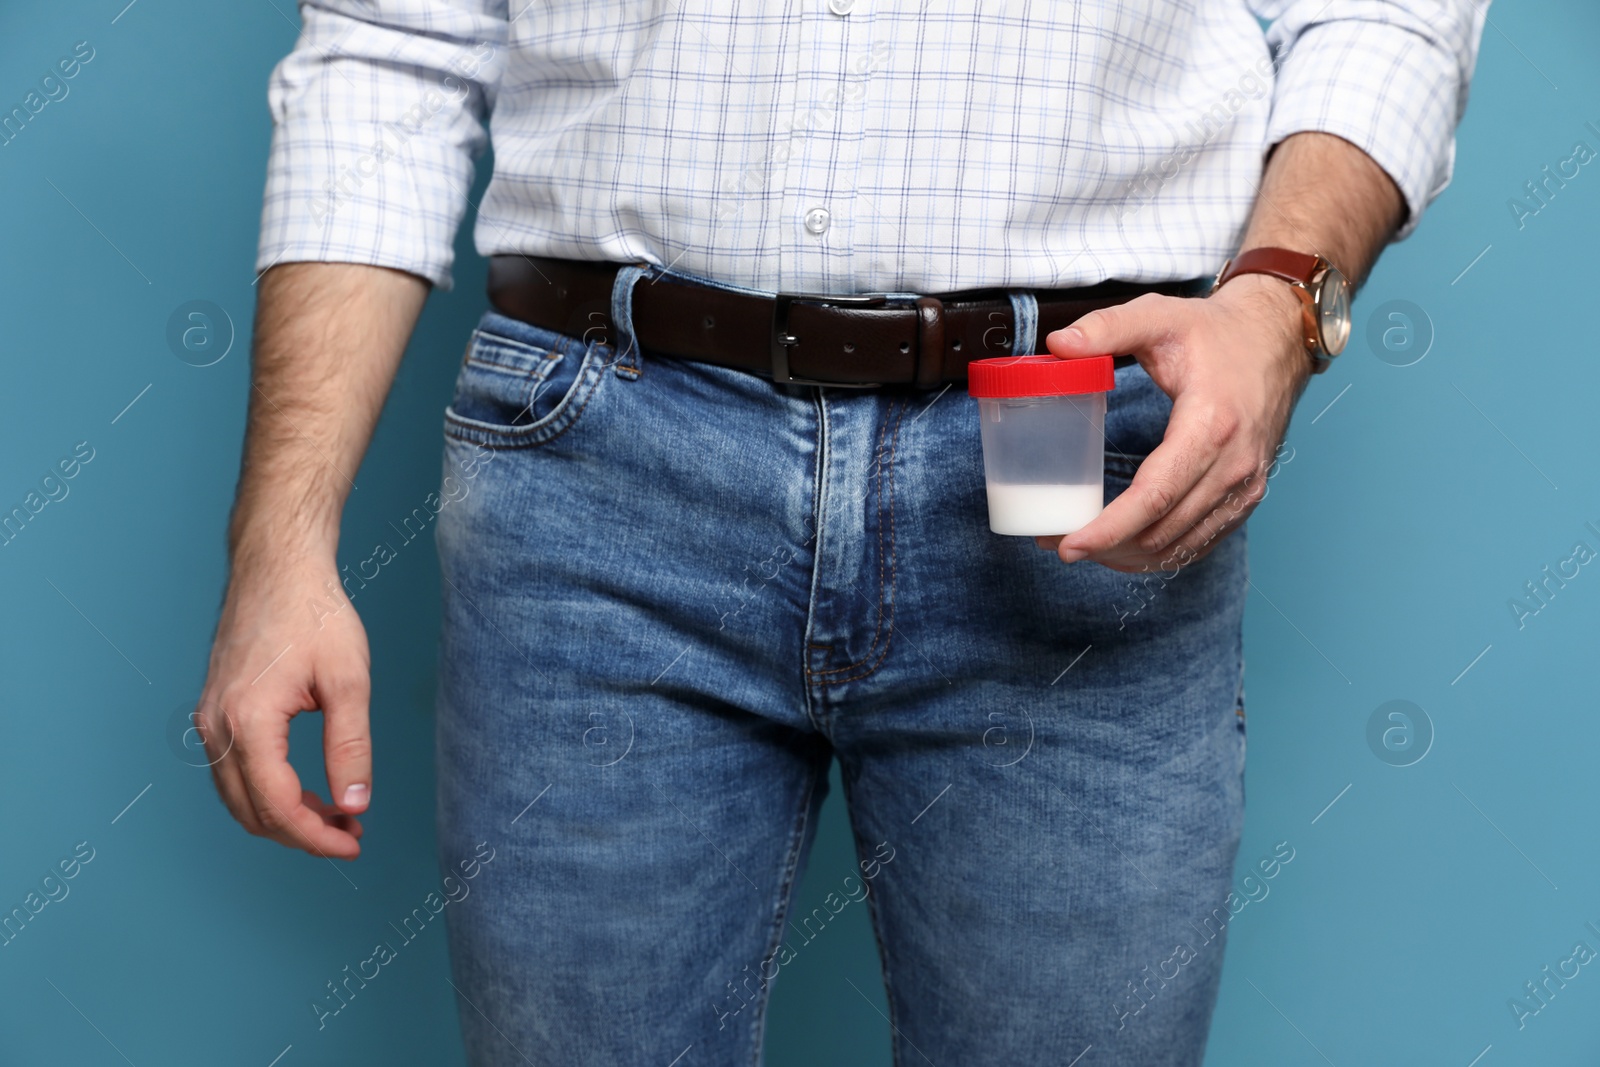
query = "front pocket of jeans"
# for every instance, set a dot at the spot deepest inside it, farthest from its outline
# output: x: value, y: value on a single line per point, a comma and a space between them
x: 511, y: 394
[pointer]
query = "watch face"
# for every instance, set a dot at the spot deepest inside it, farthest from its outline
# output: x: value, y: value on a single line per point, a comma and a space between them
x: 1333, y: 310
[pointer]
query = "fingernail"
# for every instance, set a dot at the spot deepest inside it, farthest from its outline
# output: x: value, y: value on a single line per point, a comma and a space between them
x: 355, y: 796
x: 1072, y: 555
x: 1071, y: 335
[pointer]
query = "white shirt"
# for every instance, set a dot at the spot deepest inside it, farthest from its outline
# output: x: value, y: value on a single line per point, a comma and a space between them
x: 842, y: 145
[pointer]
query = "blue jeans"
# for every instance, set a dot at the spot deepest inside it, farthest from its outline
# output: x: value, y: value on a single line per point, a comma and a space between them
x: 674, y: 592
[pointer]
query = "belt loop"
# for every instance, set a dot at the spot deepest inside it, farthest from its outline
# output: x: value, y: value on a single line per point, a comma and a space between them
x: 622, y: 318
x: 1024, y: 323
x: 928, y: 371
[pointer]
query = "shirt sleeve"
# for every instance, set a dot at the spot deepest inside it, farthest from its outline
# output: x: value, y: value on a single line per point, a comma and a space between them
x: 1389, y: 76
x: 377, y: 118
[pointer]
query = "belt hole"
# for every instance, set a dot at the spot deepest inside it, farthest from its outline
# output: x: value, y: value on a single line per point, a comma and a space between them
x: 710, y: 322
x: 905, y: 346
x: 849, y: 346
x: 958, y: 346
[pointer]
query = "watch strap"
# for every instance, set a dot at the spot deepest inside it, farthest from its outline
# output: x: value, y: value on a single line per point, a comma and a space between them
x: 1300, y: 270
x: 1296, y: 268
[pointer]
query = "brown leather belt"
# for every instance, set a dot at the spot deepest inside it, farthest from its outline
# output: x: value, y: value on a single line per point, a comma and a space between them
x: 850, y: 341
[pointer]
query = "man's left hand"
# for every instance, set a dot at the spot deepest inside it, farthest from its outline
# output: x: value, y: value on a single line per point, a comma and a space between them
x: 1234, y: 364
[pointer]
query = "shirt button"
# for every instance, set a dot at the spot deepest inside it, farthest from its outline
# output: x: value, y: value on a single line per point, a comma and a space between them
x: 818, y: 220
x: 841, y: 7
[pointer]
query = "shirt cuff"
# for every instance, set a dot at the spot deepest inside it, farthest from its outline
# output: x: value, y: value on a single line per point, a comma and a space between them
x: 363, y: 193
x: 1390, y: 91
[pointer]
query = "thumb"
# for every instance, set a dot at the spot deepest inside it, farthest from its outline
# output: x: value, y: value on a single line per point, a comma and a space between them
x: 347, y: 737
x: 1132, y: 328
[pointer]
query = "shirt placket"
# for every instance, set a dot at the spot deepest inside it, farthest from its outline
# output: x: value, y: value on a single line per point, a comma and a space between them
x: 820, y: 142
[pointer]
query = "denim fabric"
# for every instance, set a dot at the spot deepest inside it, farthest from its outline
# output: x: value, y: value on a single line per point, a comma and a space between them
x: 674, y: 592
x: 1025, y: 339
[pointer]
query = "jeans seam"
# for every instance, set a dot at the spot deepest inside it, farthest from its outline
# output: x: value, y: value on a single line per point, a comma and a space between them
x: 758, y: 1025
x: 878, y: 631
x: 818, y: 505
x: 877, y: 931
x: 1242, y: 723
x: 883, y: 432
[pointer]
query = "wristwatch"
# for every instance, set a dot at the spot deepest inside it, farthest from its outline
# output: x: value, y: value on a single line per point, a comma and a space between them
x: 1324, y: 295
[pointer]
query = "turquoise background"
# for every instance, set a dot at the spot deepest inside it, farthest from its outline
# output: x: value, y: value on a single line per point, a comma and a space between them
x: 1414, y: 509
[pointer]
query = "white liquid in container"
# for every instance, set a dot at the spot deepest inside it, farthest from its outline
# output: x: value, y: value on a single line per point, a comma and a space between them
x: 1040, y: 510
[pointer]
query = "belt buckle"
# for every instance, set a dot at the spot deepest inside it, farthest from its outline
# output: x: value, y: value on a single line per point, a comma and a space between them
x: 782, y: 339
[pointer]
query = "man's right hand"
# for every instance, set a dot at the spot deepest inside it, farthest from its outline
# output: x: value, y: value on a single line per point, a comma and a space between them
x: 328, y: 339
x: 289, y: 640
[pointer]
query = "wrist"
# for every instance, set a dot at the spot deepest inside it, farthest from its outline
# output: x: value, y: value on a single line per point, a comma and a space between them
x: 1272, y: 296
x: 1278, y: 308
x: 281, y: 515
x: 256, y: 544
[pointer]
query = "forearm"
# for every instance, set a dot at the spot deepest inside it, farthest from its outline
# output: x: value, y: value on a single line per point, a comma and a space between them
x: 1234, y: 364
x: 328, y: 340
x: 329, y: 337
x: 1322, y: 194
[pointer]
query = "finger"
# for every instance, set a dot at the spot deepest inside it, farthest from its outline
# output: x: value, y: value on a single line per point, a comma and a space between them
x: 215, y: 727
x: 275, y: 792
x: 1199, y: 542
x: 1206, y: 506
x: 298, y: 826
x: 230, y: 787
x: 1164, y: 478
x: 346, y: 736
x: 330, y: 814
x: 1194, y: 541
x: 1135, y: 327
x: 1185, y: 552
x: 1222, y: 500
